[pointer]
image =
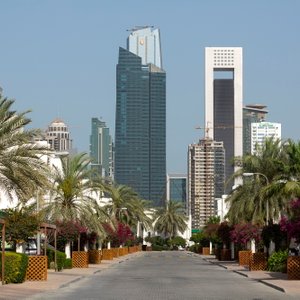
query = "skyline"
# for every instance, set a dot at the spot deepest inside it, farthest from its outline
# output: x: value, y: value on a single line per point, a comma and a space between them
x: 65, y: 54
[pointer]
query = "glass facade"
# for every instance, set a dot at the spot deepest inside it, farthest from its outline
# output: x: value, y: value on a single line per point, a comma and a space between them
x: 101, y: 148
x: 224, y: 122
x: 176, y: 185
x: 140, y: 136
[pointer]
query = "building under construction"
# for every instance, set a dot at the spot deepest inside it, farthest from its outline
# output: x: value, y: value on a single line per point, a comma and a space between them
x: 206, y: 176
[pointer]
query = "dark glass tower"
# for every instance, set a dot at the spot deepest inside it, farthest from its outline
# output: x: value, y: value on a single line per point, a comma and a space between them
x: 140, y: 137
x: 224, y: 121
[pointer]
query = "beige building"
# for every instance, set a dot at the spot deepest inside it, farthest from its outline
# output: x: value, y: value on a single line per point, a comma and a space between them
x: 206, y: 175
x: 58, y: 136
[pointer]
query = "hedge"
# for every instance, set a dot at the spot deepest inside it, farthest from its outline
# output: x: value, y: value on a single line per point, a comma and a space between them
x: 60, y: 257
x: 15, y: 267
x: 68, y: 263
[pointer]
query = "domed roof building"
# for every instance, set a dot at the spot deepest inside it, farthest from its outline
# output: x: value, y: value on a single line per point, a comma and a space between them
x: 58, y: 136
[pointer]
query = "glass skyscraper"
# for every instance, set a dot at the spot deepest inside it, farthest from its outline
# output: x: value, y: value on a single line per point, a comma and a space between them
x: 140, y: 136
x: 176, y: 189
x: 101, y: 148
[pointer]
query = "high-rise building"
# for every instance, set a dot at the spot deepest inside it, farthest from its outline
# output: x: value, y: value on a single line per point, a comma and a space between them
x: 223, y: 102
x: 176, y: 189
x: 206, y: 175
x: 144, y: 41
x: 262, y: 131
x: 252, y: 113
x: 101, y: 148
x: 58, y: 136
x: 140, y: 136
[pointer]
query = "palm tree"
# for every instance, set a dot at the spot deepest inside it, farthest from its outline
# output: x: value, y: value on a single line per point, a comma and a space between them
x: 246, y: 203
x: 125, y: 206
x: 170, y: 219
x: 22, y: 171
x: 251, y: 201
x: 287, y: 183
x: 72, y: 196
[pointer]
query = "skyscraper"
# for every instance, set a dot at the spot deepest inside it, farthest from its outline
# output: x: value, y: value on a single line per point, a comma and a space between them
x: 101, y: 148
x: 140, y: 137
x: 145, y: 42
x: 223, y: 102
x: 206, y: 176
x: 252, y: 113
x: 176, y: 189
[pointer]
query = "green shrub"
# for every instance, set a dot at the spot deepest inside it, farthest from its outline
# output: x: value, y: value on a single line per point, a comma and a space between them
x: 68, y: 263
x: 156, y: 247
x: 60, y: 258
x: 277, y: 261
x: 177, y: 241
x: 195, y: 248
x: 15, y: 267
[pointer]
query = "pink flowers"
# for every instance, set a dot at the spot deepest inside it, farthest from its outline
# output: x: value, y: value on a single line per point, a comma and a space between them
x: 243, y: 233
x: 120, y: 235
x: 292, y: 225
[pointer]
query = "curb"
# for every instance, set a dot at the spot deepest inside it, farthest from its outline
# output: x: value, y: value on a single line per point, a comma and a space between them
x: 70, y: 282
x: 271, y: 285
x: 278, y: 288
x: 241, y: 273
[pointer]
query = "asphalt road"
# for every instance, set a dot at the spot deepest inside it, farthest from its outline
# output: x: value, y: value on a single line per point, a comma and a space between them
x: 166, y: 276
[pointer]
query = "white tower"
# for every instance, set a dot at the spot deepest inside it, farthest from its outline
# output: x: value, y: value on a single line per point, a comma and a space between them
x: 223, y: 102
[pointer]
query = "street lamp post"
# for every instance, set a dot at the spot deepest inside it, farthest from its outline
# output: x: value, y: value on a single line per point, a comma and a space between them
x: 267, y: 181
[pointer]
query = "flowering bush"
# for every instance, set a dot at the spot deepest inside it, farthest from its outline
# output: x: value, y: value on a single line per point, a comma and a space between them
x: 273, y: 232
x: 292, y: 226
x: 69, y: 231
x: 120, y: 235
x: 243, y: 233
x: 223, y: 232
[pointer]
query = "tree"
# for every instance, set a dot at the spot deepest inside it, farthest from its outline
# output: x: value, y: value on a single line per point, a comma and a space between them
x: 251, y: 201
x: 120, y: 235
x: 125, y: 206
x: 287, y: 183
x: 72, y: 196
x: 170, y: 219
x: 244, y: 233
x: 279, y: 162
x: 22, y: 171
x: 21, y: 224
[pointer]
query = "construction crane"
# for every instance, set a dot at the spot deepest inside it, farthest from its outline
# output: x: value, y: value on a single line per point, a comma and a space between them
x: 207, y: 128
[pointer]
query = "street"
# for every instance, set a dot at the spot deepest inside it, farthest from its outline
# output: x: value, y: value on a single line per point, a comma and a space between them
x: 177, y: 275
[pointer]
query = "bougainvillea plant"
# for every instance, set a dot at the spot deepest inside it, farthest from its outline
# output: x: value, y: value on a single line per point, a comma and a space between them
x: 119, y: 235
x: 292, y: 226
x: 223, y: 232
x: 68, y: 231
x: 244, y: 233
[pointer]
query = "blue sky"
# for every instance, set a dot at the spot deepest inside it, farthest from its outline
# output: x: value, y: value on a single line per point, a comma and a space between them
x: 58, y: 58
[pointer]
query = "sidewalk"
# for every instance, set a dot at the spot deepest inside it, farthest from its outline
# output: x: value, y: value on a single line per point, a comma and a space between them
x: 275, y: 280
x: 56, y: 280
